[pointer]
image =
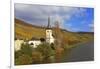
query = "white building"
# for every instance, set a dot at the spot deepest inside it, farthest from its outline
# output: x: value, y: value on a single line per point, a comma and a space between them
x: 18, y: 44
x: 34, y: 43
x: 49, y: 38
x: 49, y: 34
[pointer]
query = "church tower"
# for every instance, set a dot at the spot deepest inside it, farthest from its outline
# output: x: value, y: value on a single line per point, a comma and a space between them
x: 49, y: 37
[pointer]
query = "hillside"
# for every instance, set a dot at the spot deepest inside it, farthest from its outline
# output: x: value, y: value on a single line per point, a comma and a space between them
x: 24, y: 30
x: 27, y: 31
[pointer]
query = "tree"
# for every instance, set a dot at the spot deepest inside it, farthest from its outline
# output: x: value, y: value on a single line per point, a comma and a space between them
x: 42, y: 39
x: 58, y: 35
x: 26, y: 49
x: 45, y: 50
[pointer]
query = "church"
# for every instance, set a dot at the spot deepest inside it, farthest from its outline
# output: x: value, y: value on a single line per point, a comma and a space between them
x: 49, y: 37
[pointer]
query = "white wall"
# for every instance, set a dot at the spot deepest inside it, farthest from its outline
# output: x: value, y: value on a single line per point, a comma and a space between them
x: 49, y: 37
x: 35, y: 43
x: 17, y: 44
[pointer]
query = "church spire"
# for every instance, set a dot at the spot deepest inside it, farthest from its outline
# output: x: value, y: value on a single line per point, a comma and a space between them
x: 48, y: 26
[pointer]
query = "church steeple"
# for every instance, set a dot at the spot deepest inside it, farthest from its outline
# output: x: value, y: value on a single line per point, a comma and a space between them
x: 49, y: 37
x: 48, y: 26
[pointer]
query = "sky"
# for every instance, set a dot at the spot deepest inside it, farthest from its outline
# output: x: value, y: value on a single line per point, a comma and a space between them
x: 75, y: 19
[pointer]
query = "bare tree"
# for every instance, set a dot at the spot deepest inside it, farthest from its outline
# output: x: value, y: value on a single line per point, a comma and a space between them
x: 58, y: 34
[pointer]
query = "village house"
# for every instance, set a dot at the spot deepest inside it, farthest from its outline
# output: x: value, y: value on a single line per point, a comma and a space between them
x: 18, y: 43
x: 34, y: 42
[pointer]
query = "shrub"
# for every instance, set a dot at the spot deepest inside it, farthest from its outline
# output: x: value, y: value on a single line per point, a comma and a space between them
x: 45, y: 49
x: 18, y: 53
x: 37, y: 57
x: 24, y: 56
x: 23, y: 60
x: 26, y: 49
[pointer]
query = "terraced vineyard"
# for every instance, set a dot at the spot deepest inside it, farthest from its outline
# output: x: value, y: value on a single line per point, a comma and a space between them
x: 25, y: 30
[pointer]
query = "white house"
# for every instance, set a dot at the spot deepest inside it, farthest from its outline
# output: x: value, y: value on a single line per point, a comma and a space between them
x: 18, y: 44
x: 34, y: 43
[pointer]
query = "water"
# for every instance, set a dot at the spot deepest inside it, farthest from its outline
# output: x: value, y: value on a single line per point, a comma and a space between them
x: 83, y: 52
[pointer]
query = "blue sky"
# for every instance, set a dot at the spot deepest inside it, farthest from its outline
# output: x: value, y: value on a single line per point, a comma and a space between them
x: 69, y: 18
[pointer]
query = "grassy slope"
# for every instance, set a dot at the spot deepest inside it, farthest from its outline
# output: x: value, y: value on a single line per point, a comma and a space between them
x: 27, y: 31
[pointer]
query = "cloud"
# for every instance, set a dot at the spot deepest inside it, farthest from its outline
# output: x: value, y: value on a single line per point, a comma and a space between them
x: 91, y: 26
x: 40, y: 11
x: 38, y: 14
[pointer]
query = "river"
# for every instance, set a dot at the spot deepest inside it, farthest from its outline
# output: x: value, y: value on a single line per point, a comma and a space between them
x: 83, y: 52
